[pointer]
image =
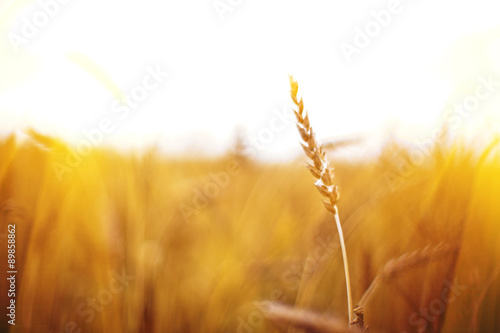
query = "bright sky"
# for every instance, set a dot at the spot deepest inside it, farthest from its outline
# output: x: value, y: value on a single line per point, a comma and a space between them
x: 64, y: 68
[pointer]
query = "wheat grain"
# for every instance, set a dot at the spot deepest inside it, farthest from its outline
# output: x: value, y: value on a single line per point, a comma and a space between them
x: 320, y: 168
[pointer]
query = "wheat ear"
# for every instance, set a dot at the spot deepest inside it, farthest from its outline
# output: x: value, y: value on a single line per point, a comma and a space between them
x: 284, y: 315
x: 402, y: 263
x: 323, y: 173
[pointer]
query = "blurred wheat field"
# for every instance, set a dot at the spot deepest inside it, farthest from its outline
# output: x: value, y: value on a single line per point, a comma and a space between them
x: 145, y: 243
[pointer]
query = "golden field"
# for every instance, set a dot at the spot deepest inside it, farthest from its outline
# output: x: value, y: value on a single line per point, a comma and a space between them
x: 121, y: 242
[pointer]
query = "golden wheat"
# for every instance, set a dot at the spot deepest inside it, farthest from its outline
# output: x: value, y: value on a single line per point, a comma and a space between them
x: 323, y: 172
x: 320, y: 168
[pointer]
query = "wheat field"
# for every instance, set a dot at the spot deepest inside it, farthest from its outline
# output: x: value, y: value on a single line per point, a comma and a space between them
x: 124, y: 242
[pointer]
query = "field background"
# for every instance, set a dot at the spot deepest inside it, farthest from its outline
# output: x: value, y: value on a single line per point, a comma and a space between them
x: 200, y: 262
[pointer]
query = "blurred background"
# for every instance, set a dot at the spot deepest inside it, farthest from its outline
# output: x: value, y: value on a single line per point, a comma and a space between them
x: 365, y: 68
x: 150, y: 162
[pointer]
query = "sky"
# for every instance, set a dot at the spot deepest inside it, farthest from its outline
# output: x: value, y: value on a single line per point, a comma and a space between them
x: 187, y: 76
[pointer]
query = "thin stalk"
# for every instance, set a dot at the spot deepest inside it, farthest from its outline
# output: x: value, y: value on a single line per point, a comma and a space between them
x: 346, y: 267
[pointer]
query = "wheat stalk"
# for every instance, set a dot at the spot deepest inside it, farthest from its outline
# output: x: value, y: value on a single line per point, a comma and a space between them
x: 323, y: 173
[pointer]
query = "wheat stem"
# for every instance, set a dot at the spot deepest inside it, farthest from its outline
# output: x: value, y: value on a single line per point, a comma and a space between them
x: 346, y: 267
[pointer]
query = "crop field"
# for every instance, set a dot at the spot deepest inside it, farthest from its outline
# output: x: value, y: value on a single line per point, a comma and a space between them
x: 161, y: 170
x: 123, y: 242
